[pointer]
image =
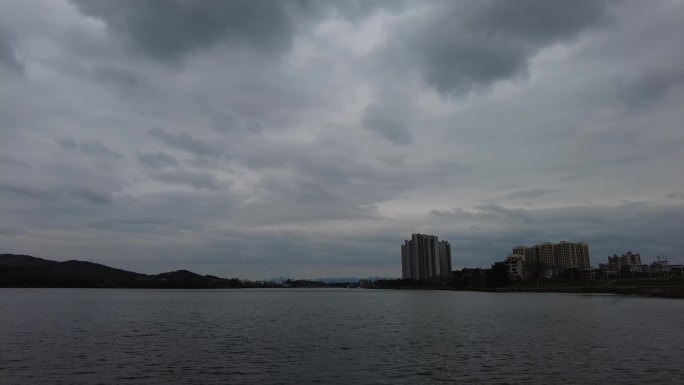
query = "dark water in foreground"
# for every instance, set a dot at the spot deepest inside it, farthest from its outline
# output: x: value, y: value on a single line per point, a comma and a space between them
x: 354, y: 336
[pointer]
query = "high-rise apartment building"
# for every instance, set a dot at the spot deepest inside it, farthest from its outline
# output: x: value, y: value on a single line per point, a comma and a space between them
x: 425, y: 256
x: 445, y: 257
x: 559, y: 256
x: 581, y: 251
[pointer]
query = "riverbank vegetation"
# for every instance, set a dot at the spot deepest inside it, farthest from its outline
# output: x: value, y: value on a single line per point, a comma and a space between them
x: 496, y: 279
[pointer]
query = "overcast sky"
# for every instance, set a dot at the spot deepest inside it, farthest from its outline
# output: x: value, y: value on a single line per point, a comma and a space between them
x: 257, y: 139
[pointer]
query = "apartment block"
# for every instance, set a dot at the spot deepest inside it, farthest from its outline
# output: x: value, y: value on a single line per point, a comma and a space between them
x: 558, y: 256
x: 424, y: 256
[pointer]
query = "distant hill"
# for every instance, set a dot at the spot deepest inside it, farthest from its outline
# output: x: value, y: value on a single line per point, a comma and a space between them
x: 18, y: 260
x: 28, y: 271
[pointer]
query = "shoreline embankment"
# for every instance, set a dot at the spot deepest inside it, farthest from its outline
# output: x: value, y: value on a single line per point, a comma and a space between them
x: 643, y: 291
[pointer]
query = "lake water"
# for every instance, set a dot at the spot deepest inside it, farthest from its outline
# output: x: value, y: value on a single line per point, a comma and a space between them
x: 336, y: 336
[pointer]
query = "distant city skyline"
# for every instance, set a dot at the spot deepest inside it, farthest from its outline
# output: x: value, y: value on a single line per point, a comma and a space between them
x: 307, y: 139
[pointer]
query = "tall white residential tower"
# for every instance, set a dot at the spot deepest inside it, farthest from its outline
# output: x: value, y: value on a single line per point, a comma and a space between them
x: 424, y: 257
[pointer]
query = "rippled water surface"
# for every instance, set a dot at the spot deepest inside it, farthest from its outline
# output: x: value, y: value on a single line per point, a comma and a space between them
x: 336, y: 336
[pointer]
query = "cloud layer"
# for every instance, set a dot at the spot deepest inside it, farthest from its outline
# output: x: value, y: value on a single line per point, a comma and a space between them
x: 306, y: 139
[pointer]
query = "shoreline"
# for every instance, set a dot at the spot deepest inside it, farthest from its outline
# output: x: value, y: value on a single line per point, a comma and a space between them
x: 649, y: 291
x: 658, y: 291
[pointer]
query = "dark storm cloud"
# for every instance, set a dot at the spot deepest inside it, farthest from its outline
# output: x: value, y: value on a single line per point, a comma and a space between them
x: 157, y: 160
x: 536, y: 21
x: 466, y: 46
x: 186, y: 142
x: 171, y: 29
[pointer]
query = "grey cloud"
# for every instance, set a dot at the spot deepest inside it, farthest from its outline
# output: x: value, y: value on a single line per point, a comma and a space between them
x: 92, y: 196
x: 675, y: 195
x: 172, y: 29
x: 253, y: 250
x: 157, y: 160
x: 13, y: 162
x: 489, y: 233
x: 168, y: 30
x: 117, y: 76
x: 152, y: 226
x: 355, y: 10
x: 88, y: 147
x: 93, y: 147
x: 338, y: 170
x: 68, y: 144
x: 650, y: 86
x: 300, y: 191
x: 469, y: 65
x: 23, y: 191
x: 8, y: 52
x: 186, y: 142
x: 577, y: 175
x: 224, y: 122
x: 502, y: 212
x: 317, y: 151
x: 165, y: 213
x: 537, y: 20
x: 10, y: 230
x: 527, y: 194
x: 55, y: 195
x: 198, y: 180
x: 387, y: 124
x: 466, y: 46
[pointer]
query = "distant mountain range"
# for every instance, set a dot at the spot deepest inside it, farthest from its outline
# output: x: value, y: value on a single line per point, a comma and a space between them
x: 28, y: 271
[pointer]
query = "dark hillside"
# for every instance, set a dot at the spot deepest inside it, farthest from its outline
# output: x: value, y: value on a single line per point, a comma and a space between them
x: 28, y: 271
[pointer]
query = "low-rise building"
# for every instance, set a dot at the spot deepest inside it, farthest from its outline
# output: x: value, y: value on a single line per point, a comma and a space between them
x: 630, y: 262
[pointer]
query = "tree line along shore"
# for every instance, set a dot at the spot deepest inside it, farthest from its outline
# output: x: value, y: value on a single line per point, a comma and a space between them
x: 498, y: 279
x: 27, y: 271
